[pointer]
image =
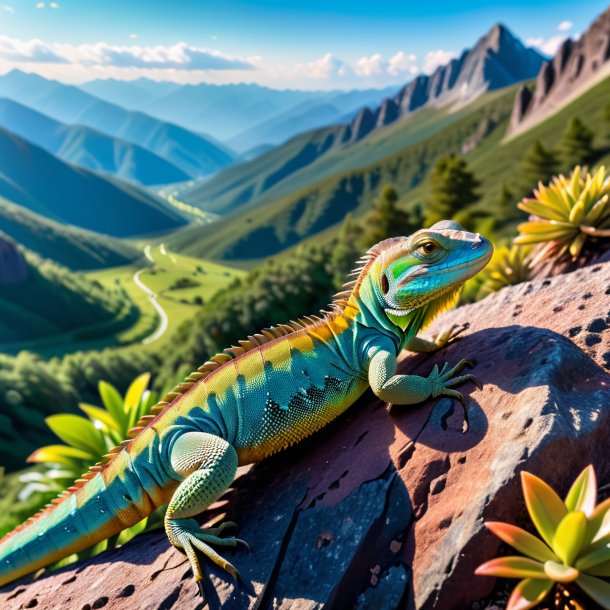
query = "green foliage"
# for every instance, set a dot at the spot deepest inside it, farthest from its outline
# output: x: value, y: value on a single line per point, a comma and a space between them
x: 568, y: 214
x: 346, y: 251
x: 572, y: 548
x: 31, y: 389
x: 385, y: 220
x: 539, y: 165
x: 52, y: 300
x: 86, y: 440
x: 576, y: 145
x: 453, y: 188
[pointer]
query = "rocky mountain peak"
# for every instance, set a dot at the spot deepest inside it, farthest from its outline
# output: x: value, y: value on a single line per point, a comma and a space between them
x: 576, y: 66
x: 498, y: 59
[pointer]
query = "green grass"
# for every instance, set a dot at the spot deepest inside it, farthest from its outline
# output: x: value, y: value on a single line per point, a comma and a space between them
x: 402, y: 154
x: 179, y: 304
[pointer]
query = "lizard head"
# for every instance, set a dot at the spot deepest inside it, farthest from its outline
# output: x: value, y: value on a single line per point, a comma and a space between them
x: 429, y: 267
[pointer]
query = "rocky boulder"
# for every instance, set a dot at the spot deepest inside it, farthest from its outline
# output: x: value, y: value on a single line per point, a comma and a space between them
x: 384, y: 509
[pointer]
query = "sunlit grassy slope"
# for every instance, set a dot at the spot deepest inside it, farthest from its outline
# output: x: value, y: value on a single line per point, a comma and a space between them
x: 402, y: 154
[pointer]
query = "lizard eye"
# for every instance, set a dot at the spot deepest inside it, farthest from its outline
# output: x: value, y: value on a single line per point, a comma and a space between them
x: 428, y: 247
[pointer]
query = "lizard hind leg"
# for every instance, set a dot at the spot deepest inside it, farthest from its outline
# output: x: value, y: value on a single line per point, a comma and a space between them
x: 208, y: 464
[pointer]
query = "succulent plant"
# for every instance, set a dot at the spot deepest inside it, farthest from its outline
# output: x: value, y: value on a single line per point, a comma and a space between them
x: 509, y: 266
x: 567, y: 213
x: 573, y: 548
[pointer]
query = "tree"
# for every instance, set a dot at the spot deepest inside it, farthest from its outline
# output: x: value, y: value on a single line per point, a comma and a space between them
x: 385, y: 220
x: 453, y: 188
x: 539, y: 165
x: 576, y: 145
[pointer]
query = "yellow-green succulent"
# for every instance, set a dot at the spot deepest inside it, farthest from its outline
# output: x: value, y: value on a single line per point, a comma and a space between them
x: 567, y: 213
x: 574, y: 543
x: 508, y: 266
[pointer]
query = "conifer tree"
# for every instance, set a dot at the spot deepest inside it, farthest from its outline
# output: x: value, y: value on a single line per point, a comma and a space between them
x: 453, y: 188
x: 386, y: 219
x: 576, y: 145
x: 539, y: 165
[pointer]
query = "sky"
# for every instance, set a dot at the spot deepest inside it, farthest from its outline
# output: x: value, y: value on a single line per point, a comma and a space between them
x: 310, y: 44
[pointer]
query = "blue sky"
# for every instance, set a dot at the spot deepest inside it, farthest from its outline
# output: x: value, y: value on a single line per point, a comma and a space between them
x: 314, y: 44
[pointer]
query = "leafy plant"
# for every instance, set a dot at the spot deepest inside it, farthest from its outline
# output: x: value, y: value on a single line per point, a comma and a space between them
x: 87, y: 439
x: 573, y: 548
x: 567, y: 213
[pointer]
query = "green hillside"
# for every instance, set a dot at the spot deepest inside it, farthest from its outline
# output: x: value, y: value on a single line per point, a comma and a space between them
x: 402, y: 155
x: 67, y: 245
x: 42, y: 183
x: 40, y: 299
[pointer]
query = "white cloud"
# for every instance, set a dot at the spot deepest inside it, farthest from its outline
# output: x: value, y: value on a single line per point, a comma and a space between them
x: 7, y: 8
x: 548, y: 46
x: 179, y: 56
x: 370, y: 66
x: 30, y: 51
x: 54, y: 5
x: 325, y: 68
x: 401, y: 63
x: 133, y: 36
x: 40, y: 5
x: 566, y: 25
x: 437, y: 58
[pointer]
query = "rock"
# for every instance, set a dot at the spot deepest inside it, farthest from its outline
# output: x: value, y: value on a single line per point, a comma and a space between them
x: 385, y: 507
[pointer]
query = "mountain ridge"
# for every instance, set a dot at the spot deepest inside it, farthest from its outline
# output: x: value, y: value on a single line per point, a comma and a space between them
x: 191, y: 152
x: 576, y: 66
x: 88, y: 147
x: 78, y: 196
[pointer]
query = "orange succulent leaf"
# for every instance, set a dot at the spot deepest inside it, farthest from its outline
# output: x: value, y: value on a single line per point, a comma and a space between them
x: 522, y: 541
x: 512, y: 567
x: 528, y: 594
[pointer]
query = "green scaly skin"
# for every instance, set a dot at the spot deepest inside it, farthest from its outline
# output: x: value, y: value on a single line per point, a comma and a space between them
x: 273, y: 390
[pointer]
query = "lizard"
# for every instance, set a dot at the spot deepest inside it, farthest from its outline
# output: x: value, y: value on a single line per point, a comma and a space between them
x: 254, y: 399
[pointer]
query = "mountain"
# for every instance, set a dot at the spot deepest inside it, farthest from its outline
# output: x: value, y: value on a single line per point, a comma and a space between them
x: 243, y: 116
x: 324, y: 109
x: 89, y: 148
x: 35, y: 179
x: 577, y: 66
x: 223, y: 111
x: 497, y: 60
x: 304, y: 208
x: 194, y: 154
x: 69, y: 246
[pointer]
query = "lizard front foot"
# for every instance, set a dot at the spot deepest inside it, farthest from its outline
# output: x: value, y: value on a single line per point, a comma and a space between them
x: 445, y: 379
x: 188, y: 537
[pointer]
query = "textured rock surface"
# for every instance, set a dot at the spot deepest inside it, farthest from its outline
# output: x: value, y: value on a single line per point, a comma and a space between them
x: 384, y: 508
x: 576, y: 66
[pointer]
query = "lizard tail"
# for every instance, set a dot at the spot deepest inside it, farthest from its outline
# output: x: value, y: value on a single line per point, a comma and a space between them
x: 74, y: 522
